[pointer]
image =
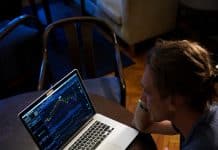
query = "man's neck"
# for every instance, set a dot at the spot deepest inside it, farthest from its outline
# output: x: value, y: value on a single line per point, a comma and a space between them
x: 185, y: 119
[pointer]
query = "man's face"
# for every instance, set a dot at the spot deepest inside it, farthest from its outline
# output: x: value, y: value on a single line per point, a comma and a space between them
x: 157, y: 106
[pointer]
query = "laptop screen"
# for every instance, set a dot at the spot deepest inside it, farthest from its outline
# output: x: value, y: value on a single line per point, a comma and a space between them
x: 54, y: 118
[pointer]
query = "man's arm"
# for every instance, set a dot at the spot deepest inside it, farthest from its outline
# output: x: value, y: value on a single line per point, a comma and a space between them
x: 163, y: 127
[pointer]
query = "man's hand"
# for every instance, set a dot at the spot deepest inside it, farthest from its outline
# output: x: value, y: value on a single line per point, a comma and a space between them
x: 141, y: 118
x: 143, y: 123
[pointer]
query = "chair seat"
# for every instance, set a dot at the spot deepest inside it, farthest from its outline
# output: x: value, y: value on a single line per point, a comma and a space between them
x: 20, y: 54
x: 12, y: 47
x: 104, y: 86
x: 3, y: 23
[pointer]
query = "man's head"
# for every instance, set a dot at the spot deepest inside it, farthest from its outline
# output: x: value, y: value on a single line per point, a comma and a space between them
x: 179, y: 68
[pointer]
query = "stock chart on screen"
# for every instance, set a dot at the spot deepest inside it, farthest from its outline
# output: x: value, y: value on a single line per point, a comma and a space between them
x: 59, y: 115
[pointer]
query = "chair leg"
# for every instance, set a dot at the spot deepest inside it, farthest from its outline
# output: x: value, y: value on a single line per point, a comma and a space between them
x: 131, y: 49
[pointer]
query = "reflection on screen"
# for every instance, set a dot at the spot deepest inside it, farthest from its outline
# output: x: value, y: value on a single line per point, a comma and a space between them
x: 58, y: 116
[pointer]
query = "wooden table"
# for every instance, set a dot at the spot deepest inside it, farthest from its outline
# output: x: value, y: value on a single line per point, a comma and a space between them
x: 13, y: 135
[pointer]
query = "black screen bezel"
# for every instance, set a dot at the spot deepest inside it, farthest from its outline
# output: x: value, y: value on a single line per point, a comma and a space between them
x: 46, y: 94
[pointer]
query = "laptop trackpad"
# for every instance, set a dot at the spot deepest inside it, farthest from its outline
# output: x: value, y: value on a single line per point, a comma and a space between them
x: 109, y: 146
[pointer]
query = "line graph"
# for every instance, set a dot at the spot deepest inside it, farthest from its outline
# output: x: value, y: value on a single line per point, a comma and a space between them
x: 62, y: 100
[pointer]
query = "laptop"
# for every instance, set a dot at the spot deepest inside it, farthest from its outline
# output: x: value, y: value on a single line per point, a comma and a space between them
x: 64, y: 118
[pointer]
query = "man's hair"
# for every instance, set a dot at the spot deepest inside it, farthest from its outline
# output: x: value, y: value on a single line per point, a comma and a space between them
x: 183, y: 68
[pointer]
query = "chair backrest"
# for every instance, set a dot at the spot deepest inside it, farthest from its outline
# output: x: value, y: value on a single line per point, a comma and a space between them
x: 78, y: 38
x: 20, y: 54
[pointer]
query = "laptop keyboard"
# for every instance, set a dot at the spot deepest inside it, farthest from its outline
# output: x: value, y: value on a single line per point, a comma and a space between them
x: 90, y: 139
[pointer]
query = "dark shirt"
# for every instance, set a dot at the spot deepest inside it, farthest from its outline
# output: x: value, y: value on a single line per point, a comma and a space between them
x: 204, y: 134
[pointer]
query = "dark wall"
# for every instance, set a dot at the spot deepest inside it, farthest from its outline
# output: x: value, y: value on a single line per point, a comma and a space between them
x: 9, y: 8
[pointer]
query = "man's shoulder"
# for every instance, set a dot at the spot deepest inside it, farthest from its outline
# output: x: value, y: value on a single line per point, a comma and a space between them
x: 204, y: 138
x: 200, y: 145
x: 208, y: 123
x: 213, y: 114
x: 205, y: 133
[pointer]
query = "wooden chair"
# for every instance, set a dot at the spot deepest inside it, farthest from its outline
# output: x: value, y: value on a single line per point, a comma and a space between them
x: 75, y: 37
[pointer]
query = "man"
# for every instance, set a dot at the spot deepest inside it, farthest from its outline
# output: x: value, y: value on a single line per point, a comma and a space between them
x: 179, y: 95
